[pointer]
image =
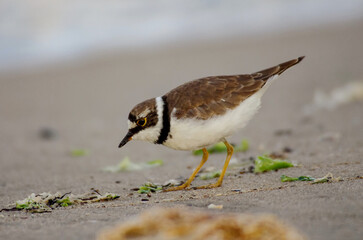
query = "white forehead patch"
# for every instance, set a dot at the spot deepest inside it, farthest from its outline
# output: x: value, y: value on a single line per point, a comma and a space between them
x: 131, y: 124
x: 144, y: 113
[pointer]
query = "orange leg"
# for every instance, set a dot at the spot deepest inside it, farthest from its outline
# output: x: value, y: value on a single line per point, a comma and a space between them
x: 220, y: 180
x: 191, y: 178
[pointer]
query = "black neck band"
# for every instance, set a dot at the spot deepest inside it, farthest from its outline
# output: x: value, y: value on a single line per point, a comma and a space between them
x: 166, y: 123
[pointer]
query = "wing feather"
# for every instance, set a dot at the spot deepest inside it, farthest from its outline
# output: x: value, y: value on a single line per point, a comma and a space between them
x: 211, y: 96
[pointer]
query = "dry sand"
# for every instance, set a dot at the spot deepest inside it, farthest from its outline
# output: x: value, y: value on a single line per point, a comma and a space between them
x: 87, y: 104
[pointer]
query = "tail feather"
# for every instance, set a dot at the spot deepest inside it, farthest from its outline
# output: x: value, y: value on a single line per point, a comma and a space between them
x: 276, y: 70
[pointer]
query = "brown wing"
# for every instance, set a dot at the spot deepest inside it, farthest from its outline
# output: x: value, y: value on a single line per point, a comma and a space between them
x: 207, y: 97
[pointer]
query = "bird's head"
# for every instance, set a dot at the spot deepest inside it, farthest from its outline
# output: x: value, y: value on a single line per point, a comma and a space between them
x: 143, y: 123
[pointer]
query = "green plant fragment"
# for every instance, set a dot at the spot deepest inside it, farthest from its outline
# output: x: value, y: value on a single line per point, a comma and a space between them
x: 111, y: 197
x: 45, y: 202
x: 198, y: 152
x: 221, y: 148
x: 327, y: 178
x: 265, y: 163
x: 126, y: 165
x: 243, y: 147
x: 65, y: 202
x: 155, y: 163
x: 79, y: 152
x: 210, y: 175
x: 149, y: 187
x: 218, y: 148
x: 285, y: 178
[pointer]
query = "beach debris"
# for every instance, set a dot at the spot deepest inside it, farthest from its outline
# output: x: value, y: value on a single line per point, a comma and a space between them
x: 212, y: 206
x: 285, y: 178
x: 184, y: 223
x: 243, y: 147
x: 249, y: 169
x: 127, y: 165
x: 174, y: 182
x: 352, y: 91
x: 210, y: 175
x: 277, y: 155
x: 216, y: 148
x: 221, y: 148
x: 46, y: 202
x: 236, y: 190
x: 327, y: 178
x: 265, y: 163
x: 47, y: 133
x: 330, y: 137
x: 283, y: 132
x: 149, y: 187
x: 287, y: 149
x: 79, y: 152
x: 242, y: 165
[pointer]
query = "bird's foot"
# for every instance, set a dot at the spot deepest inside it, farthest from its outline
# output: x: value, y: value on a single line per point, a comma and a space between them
x: 181, y: 187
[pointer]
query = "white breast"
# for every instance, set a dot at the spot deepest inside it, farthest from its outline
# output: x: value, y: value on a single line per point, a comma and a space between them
x: 192, y: 134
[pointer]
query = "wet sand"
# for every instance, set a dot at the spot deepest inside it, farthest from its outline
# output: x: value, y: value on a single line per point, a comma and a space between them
x: 86, y: 103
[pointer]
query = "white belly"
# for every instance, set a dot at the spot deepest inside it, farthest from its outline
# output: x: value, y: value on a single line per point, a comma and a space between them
x: 192, y: 134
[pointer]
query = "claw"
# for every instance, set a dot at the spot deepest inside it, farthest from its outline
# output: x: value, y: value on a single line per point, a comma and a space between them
x: 181, y: 187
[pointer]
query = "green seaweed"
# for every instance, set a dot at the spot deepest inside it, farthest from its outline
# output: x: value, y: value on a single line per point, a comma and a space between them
x: 64, y: 202
x: 285, y: 178
x: 155, y: 163
x: 221, y: 148
x: 265, y: 163
x: 198, y: 152
x: 210, y: 175
x: 327, y: 178
x: 28, y: 205
x: 45, y: 202
x: 127, y: 165
x: 111, y: 197
x: 79, y: 152
x: 243, y: 147
x: 149, y: 187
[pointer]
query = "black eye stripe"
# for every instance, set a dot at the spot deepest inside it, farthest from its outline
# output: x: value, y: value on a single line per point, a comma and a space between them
x: 151, y: 120
x: 135, y: 130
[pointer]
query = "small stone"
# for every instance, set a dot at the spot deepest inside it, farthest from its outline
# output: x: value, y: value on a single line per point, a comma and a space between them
x: 283, y: 132
x: 47, y: 133
x: 251, y: 169
x: 212, y: 206
x: 287, y: 150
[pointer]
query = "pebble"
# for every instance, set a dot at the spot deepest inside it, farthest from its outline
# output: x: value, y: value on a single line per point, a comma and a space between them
x: 212, y: 206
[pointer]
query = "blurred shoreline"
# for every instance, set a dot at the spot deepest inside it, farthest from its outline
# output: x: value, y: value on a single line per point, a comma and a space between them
x: 120, y: 55
x: 63, y: 32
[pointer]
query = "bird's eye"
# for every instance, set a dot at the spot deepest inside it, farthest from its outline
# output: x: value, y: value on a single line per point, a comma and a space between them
x: 141, y: 122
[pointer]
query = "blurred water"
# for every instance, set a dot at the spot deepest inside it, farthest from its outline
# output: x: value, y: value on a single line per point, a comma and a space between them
x: 41, y: 31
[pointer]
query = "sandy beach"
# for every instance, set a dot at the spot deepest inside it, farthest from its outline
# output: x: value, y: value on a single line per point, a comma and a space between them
x: 86, y: 104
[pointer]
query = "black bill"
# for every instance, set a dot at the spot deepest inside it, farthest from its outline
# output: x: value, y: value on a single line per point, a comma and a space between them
x: 126, y: 139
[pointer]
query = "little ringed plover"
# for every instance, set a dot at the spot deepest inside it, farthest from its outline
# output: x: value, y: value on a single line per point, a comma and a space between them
x: 202, y: 112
